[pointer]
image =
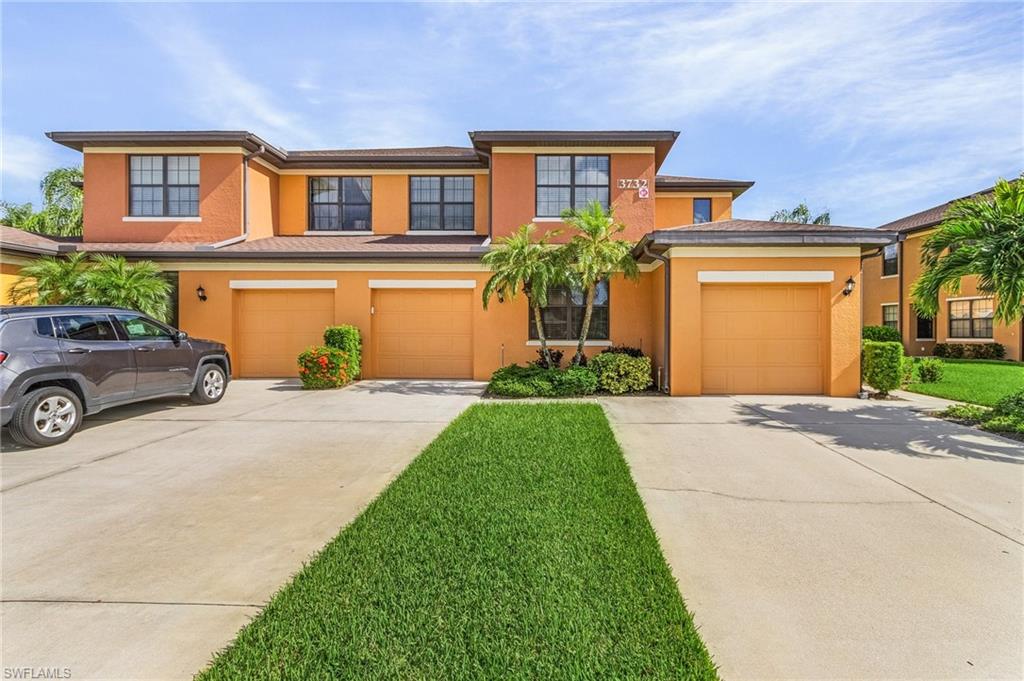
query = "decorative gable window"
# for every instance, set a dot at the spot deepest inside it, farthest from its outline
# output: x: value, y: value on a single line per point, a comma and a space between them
x: 565, y: 182
x: 163, y: 186
x: 891, y: 260
x: 340, y: 204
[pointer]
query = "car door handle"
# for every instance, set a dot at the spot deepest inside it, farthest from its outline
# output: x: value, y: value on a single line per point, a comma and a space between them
x: 144, y: 348
x: 79, y: 351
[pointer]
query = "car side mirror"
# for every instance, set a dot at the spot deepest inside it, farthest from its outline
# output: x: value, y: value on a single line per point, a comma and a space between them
x: 180, y: 336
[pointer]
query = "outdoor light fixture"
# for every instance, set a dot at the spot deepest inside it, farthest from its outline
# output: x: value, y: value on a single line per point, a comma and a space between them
x: 201, y: 293
x: 848, y: 289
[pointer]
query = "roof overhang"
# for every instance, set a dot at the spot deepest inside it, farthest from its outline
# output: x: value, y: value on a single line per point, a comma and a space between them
x: 734, y: 187
x: 659, y: 241
x: 661, y: 140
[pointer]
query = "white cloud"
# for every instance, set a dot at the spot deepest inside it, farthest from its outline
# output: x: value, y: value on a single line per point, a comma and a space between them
x: 23, y: 162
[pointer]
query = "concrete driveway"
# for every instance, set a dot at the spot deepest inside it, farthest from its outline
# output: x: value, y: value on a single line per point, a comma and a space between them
x: 818, y: 538
x: 141, y: 546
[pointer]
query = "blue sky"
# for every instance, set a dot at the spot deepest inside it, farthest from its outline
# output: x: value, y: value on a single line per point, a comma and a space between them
x: 871, y: 110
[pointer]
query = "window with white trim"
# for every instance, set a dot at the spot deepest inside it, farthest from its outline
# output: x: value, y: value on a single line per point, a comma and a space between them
x: 971, y: 318
x: 163, y: 186
x: 891, y: 316
x: 565, y: 182
x: 891, y: 260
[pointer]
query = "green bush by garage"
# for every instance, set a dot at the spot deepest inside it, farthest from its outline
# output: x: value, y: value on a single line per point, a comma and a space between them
x: 617, y: 370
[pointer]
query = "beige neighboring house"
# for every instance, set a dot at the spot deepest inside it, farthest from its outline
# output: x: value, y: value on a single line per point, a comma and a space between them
x: 963, y: 318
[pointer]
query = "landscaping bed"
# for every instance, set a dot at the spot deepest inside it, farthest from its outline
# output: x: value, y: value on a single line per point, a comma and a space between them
x: 514, y: 546
x: 982, y: 382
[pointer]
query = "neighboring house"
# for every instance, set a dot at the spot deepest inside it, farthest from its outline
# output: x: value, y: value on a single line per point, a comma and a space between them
x: 271, y: 246
x: 963, y: 318
x: 17, y: 248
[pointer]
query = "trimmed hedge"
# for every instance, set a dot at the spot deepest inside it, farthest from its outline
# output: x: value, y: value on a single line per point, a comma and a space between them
x: 621, y: 373
x: 931, y: 370
x: 881, y: 334
x: 346, y: 338
x: 534, y: 381
x: 883, y: 365
x: 970, y: 350
x: 322, y: 367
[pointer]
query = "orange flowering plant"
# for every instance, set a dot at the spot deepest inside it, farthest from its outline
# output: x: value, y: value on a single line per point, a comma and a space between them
x: 323, y: 367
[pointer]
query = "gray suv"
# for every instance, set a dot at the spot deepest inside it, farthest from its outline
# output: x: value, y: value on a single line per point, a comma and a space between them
x: 59, y: 363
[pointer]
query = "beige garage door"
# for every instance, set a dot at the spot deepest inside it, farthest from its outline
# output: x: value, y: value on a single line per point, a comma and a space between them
x: 275, y: 326
x: 763, y: 339
x: 423, y: 333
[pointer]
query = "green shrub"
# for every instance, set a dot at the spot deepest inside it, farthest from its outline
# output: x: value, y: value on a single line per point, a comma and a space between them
x: 323, y: 367
x: 970, y: 350
x: 556, y: 358
x: 624, y: 350
x: 883, y: 365
x: 881, y: 334
x: 346, y: 338
x: 619, y: 373
x: 534, y: 381
x: 906, y: 371
x: 1012, y: 405
x: 1004, y: 424
x: 930, y: 370
x: 971, y: 413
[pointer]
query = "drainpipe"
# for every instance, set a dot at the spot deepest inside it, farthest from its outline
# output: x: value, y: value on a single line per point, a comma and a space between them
x: 245, y: 207
x: 668, y: 312
x: 490, y: 196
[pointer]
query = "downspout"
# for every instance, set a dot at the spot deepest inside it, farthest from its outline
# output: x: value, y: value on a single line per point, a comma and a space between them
x: 490, y: 196
x: 245, y: 206
x: 667, y: 342
x: 899, y: 282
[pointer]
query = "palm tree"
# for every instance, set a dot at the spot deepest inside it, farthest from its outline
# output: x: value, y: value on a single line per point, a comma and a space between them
x: 103, y: 280
x: 981, y: 236
x: 594, y: 254
x: 141, y: 286
x: 801, y: 214
x: 518, y: 262
x: 51, y: 281
x: 61, y: 214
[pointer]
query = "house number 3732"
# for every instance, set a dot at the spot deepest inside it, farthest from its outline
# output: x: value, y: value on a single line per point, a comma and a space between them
x: 633, y: 183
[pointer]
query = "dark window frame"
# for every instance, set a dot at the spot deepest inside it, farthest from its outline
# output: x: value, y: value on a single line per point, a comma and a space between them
x: 971, y: 319
x: 572, y: 181
x: 895, y: 322
x: 710, y: 205
x: 892, y: 263
x: 917, y: 328
x: 441, y: 203
x: 164, y: 185
x: 574, y: 313
x: 340, y: 203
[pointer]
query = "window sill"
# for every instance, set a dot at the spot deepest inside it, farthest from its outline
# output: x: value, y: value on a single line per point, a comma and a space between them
x: 890, y: 276
x: 441, y: 232
x: 924, y: 340
x: 969, y: 340
x: 337, y: 232
x: 548, y: 220
x: 160, y: 218
x: 572, y: 343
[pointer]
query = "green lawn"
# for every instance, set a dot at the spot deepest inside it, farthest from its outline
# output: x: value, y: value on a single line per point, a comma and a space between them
x: 514, y: 546
x: 975, y: 380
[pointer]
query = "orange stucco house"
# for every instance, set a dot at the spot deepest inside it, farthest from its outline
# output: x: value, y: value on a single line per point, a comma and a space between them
x: 966, y: 317
x: 270, y: 246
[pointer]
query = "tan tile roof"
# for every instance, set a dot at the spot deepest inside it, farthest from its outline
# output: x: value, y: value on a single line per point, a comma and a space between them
x: 13, y: 239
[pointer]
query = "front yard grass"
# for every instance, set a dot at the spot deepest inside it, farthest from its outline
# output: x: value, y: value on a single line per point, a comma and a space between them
x: 514, y: 546
x: 974, y: 380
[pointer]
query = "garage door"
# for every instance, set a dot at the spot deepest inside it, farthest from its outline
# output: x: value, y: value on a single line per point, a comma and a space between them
x: 275, y: 326
x: 763, y: 339
x: 423, y: 333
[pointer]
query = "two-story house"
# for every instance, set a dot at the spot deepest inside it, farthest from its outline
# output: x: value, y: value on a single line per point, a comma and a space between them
x: 966, y: 317
x: 270, y: 246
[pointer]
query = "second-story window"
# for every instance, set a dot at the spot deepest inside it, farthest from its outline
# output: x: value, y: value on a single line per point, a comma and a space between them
x: 441, y: 203
x: 891, y: 261
x: 701, y: 210
x: 339, y: 204
x: 163, y: 186
x: 565, y: 182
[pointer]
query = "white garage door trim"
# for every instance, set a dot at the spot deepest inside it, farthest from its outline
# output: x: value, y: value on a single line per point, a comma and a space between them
x: 765, y: 276
x: 423, y: 283
x: 283, y: 283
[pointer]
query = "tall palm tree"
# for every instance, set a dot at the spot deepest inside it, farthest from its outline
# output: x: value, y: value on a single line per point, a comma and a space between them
x: 51, y: 281
x: 61, y: 214
x: 801, y: 214
x: 141, y: 286
x: 593, y: 255
x: 981, y: 236
x: 518, y: 262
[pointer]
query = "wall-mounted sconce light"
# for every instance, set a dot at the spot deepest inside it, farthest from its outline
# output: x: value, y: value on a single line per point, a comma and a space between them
x: 201, y: 293
x: 848, y: 289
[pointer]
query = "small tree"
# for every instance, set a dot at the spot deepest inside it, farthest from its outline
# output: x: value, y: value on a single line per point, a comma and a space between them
x: 103, y: 280
x: 61, y: 214
x: 978, y: 236
x: 594, y: 254
x: 801, y: 214
x: 518, y: 262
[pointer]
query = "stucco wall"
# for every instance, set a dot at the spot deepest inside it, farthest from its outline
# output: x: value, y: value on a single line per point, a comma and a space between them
x: 675, y: 209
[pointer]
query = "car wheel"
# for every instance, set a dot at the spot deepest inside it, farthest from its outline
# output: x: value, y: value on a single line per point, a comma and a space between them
x: 210, y: 386
x: 47, y: 416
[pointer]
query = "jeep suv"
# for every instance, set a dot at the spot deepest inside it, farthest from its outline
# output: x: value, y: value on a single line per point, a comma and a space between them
x: 59, y: 363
